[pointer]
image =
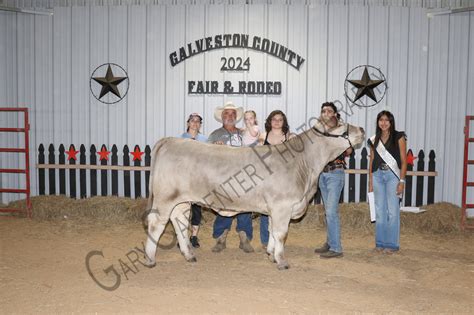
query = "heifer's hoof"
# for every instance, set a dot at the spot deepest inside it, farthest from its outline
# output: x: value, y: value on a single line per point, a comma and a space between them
x: 271, y: 258
x: 150, y: 264
x: 283, y: 266
x: 192, y: 260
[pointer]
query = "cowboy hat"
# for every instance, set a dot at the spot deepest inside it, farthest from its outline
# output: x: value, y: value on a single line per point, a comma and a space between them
x: 229, y: 105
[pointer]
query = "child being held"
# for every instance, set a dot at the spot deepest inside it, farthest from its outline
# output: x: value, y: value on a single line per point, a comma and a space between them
x: 251, y: 132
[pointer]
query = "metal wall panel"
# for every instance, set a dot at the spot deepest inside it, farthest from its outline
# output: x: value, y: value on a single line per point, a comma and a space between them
x: 416, y: 83
x: 377, y: 55
x: 121, y: 52
x: 137, y: 74
x: 43, y: 74
x: 277, y: 30
x: 297, y: 80
x: 26, y: 90
x: 337, y: 50
x: 357, y: 54
x: 470, y: 107
x: 456, y: 106
x: 175, y: 79
x: 8, y: 98
x: 80, y: 31
x: 428, y: 63
x: 194, y: 67
x: 256, y: 24
x: 397, y: 73
x: 470, y: 79
x: 436, y: 93
x: 215, y: 24
x: 99, y: 54
x: 234, y: 23
x: 80, y: 72
x: 62, y: 80
x: 118, y: 28
x: 157, y: 66
x: 316, y: 58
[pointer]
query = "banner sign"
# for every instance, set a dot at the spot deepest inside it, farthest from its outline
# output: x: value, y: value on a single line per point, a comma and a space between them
x: 236, y: 40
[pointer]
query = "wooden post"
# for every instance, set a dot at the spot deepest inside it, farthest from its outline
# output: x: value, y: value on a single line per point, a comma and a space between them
x: 72, y: 174
x: 147, y: 173
x: 363, y: 177
x: 114, y: 161
x: 103, y: 175
x: 408, y: 182
x: 52, y: 171
x: 420, y: 179
x: 137, y: 175
x: 352, y: 177
x: 62, y: 172
x: 126, y: 174
x: 431, y: 179
x: 93, y: 161
x: 82, y: 172
x: 41, y: 171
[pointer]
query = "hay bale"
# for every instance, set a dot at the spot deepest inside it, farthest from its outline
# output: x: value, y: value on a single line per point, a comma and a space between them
x: 439, y: 218
x: 106, y: 209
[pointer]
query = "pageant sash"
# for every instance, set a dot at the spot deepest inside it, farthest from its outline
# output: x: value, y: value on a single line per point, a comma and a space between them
x: 387, y: 157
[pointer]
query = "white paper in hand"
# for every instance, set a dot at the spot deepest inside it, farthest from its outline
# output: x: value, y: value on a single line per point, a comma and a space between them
x: 371, y: 206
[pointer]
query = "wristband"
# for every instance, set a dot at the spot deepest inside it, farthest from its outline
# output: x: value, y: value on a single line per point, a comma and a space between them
x: 402, y: 181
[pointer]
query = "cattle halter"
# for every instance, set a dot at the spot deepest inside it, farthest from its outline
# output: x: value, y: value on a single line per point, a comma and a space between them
x: 345, y: 135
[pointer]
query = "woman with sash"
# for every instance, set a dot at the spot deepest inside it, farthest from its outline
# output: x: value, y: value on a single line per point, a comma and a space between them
x: 387, y: 171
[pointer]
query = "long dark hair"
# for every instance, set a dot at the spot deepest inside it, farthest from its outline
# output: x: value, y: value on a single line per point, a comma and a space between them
x: 378, y: 131
x: 268, y: 122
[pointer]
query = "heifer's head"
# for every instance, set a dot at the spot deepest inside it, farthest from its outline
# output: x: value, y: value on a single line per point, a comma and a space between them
x: 353, y: 135
x: 334, y: 140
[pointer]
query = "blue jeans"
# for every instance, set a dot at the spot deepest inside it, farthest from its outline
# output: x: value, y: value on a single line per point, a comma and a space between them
x: 264, y: 229
x: 387, y: 210
x: 331, y: 184
x: 244, y: 223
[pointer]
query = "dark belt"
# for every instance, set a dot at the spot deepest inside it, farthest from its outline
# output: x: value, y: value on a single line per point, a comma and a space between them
x: 332, y: 167
x: 384, y: 167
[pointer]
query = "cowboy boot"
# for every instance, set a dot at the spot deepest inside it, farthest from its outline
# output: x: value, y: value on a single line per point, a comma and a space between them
x: 220, y: 245
x: 245, y: 243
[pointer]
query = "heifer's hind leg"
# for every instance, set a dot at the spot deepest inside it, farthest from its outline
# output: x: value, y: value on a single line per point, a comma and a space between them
x: 180, y: 220
x: 157, y: 220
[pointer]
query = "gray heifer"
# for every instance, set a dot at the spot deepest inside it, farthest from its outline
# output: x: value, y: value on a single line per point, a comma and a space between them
x: 277, y: 180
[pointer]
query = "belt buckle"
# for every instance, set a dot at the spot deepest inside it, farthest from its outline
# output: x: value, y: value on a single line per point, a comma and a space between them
x: 384, y: 166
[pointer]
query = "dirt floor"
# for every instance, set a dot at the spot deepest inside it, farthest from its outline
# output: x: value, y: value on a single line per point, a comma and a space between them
x: 44, y: 269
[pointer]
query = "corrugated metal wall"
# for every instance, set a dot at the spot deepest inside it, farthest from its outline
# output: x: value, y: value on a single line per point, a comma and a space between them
x: 46, y: 62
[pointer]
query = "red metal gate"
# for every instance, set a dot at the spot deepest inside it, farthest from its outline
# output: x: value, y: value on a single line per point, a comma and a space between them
x: 26, y: 151
x: 465, y: 183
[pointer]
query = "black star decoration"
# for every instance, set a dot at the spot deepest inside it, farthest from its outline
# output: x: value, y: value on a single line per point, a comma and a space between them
x: 365, y: 86
x: 109, y: 83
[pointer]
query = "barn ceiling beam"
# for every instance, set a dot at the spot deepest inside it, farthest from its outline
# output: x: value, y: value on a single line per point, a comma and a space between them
x: 26, y: 11
x: 433, y: 12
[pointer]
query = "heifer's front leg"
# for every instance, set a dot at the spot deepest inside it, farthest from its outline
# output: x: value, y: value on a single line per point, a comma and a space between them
x: 271, y: 241
x: 180, y: 220
x: 156, y: 226
x: 280, y: 231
